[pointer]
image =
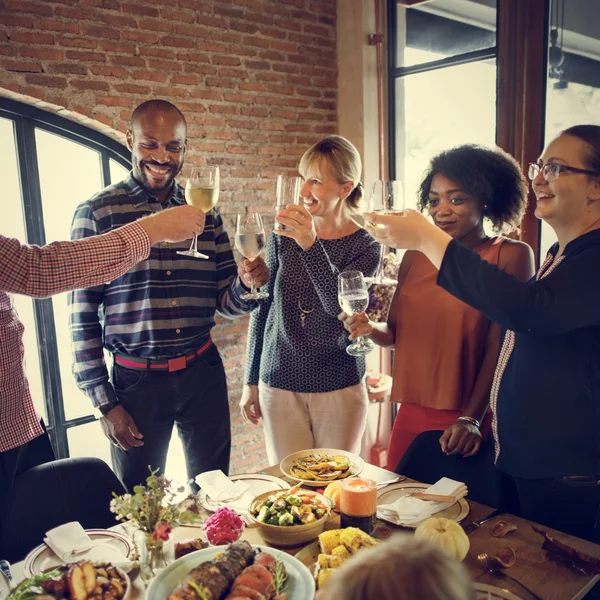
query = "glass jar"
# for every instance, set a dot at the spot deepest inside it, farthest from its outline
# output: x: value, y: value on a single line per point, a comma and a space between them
x: 154, y: 555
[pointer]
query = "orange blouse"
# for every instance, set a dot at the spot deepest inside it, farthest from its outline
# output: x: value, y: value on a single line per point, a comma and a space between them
x: 440, y: 341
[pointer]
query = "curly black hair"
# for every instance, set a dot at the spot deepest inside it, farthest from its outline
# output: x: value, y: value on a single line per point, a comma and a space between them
x: 493, y: 177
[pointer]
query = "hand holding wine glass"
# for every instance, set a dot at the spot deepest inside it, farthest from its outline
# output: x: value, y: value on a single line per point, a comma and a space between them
x: 201, y: 191
x: 353, y: 297
x: 250, y: 242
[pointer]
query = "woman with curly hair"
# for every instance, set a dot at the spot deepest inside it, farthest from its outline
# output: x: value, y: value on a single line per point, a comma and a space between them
x: 446, y: 351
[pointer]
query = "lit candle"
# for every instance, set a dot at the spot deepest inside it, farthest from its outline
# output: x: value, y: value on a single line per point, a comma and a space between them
x: 358, y: 503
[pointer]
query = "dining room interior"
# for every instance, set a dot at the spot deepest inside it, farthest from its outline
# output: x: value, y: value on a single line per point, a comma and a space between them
x: 259, y: 82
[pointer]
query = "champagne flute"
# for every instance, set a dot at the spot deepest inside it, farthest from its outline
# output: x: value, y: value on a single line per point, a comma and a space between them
x: 201, y: 191
x: 288, y: 192
x: 250, y: 242
x: 387, y: 198
x: 353, y: 296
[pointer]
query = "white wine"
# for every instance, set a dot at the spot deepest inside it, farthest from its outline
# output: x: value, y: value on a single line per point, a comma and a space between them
x: 250, y: 245
x: 204, y: 198
x: 399, y: 212
x: 354, y: 302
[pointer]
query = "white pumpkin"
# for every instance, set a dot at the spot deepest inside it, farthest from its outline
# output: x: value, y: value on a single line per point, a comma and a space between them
x: 445, y: 533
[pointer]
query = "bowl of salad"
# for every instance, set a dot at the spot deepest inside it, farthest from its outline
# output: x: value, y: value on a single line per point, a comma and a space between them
x: 290, y: 517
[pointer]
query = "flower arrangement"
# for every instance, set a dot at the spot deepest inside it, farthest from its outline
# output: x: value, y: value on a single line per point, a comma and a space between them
x: 380, y: 296
x: 150, y: 508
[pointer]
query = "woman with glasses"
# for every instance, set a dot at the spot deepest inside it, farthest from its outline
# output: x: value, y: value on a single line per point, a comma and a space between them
x: 546, y: 390
x: 445, y: 352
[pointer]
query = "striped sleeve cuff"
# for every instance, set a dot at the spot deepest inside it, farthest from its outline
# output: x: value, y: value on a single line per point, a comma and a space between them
x: 137, y: 241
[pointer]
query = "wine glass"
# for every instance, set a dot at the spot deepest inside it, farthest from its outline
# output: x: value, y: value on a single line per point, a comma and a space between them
x: 387, y: 198
x: 250, y: 242
x: 201, y: 191
x: 353, y: 297
x: 288, y: 192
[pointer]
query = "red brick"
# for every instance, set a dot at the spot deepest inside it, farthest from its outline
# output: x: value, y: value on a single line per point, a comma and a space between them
x: 165, y: 66
x: 89, y: 84
x: 75, y: 13
x: 155, y: 25
x: 185, y: 79
x: 20, y: 66
x: 38, y: 8
x: 176, y: 15
x: 130, y: 88
x: 103, y: 118
x: 30, y: 37
x: 196, y: 5
x: 303, y: 15
x: 254, y: 111
x: 53, y: 25
x: 193, y: 57
x: 127, y: 61
x: 257, y: 64
x: 140, y: 36
x: 206, y: 94
x: 47, y: 80
x: 201, y: 69
x: 231, y: 61
x: 42, y: 53
x: 76, y: 42
x: 146, y: 75
x: 244, y: 26
x: 224, y: 109
x: 85, y: 56
x: 120, y: 20
x: 252, y: 87
x: 178, y: 41
x: 120, y: 47
x: 113, y: 101
x: 3, y: 36
x: 146, y: 11
x: 6, y: 50
x: 255, y: 41
x: 16, y: 20
x: 191, y: 30
x: 70, y: 68
x: 98, y: 31
x: 238, y: 98
x: 109, y: 71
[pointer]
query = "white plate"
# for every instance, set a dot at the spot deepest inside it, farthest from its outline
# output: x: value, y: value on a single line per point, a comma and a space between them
x: 42, y: 557
x: 259, y: 484
x: 300, y: 585
x: 491, y: 592
x: 389, y: 494
x: 357, y: 464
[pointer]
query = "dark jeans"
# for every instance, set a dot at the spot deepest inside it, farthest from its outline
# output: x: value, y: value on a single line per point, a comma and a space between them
x: 195, y: 399
x: 570, y: 505
x: 14, y: 462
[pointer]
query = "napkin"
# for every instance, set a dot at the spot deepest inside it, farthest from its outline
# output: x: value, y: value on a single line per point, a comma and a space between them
x: 70, y: 542
x: 409, y: 511
x: 222, y: 490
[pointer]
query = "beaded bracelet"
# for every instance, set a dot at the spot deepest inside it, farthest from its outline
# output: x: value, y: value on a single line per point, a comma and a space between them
x: 471, y: 420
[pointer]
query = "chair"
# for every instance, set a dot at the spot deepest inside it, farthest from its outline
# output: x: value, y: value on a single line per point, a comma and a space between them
x: 424, y: 461
x: 72, y: 489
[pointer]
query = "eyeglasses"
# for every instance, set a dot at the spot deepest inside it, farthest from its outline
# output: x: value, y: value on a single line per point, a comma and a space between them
x: 551, y: 171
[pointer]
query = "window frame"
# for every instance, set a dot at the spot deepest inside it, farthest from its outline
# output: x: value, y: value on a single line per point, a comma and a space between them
x: 26, y: 119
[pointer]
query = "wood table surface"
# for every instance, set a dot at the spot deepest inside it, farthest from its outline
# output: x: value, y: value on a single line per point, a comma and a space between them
x: 549, y: 580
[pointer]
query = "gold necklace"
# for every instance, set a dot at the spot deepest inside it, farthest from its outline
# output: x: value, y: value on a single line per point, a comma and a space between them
x: 303, y: 313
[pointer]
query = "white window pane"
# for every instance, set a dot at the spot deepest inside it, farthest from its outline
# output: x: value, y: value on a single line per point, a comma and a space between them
x: 73, y: 178
x: 13, y: 225
x: 441, y: 109
x: 117, y: 171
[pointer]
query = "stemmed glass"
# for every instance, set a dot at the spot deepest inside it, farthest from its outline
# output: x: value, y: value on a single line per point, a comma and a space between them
x: 201, y: 191
x: 250, y: 242
x: 353, y: 297
x: 387, y: 198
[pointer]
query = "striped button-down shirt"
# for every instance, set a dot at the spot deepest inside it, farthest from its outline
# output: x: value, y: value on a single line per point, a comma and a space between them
x: 164, y: 307
x: 40, y: 272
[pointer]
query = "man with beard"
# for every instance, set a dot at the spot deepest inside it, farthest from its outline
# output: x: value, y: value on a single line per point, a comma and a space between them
x: 156, y: 319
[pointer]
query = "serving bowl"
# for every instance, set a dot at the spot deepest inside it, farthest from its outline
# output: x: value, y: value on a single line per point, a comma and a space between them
x: 291, y: 535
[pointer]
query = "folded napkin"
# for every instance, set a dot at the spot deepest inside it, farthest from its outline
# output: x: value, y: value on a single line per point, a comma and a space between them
x: 71, y: 543
x: 222, y: 490
x: 410, y: 511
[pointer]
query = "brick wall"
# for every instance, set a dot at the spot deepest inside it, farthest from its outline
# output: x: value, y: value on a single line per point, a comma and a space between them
x: 256, y: 80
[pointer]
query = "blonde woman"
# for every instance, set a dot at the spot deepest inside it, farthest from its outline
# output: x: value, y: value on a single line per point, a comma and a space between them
x: 401, y: 568
x: 309, y: 392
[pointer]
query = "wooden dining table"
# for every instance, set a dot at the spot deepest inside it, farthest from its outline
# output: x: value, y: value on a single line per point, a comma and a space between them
x: 548, y: 579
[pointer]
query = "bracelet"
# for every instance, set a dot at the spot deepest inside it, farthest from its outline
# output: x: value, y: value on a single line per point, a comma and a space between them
x: 471, y: 420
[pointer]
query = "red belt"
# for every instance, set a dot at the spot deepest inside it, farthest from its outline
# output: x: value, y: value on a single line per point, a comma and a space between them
x: 171, y: 364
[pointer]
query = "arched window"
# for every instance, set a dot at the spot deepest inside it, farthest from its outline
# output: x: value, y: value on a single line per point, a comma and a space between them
x: 51, y: 164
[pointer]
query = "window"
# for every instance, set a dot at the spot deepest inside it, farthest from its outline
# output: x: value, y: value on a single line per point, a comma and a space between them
x: 573, y: 90
x: 442, y: 83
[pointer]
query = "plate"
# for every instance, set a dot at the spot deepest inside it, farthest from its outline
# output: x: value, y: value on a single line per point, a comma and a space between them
x: 259, y: 484
x: 357, y: 464
x: 42, y: 557
x: 491, y: 592
x: 300, y: 586
x: 457, y: 512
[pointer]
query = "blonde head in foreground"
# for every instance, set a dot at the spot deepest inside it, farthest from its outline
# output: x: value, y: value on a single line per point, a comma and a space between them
x: 401, y: 568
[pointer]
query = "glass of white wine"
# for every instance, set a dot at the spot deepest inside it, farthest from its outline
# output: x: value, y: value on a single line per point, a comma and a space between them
x: 250, y: 242
x: 201, y: 191
x: 387, y: 198
x: 353, y: 296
